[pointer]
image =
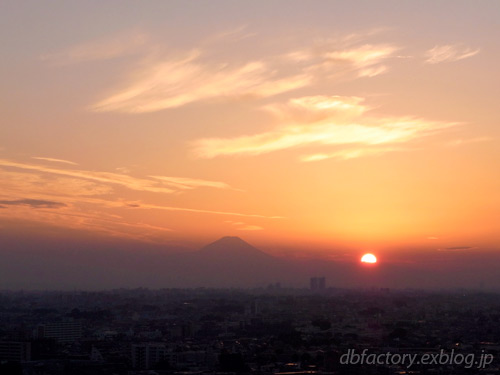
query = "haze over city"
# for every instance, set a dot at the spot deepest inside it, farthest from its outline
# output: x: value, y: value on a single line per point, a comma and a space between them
x: 298, y: 135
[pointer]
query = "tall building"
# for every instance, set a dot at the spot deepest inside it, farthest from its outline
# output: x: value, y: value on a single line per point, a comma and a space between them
x: 15, y: 351
x: 321, y: 283
x: 317, y: 283
x: 146, y: 355
x: 64, y: 331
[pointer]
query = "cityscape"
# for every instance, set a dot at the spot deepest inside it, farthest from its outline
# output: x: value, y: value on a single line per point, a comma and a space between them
x: 272, y: 330
x: 276, y: 329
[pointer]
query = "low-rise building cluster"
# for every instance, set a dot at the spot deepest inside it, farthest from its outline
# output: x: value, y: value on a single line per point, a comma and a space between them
x: 262, y: 331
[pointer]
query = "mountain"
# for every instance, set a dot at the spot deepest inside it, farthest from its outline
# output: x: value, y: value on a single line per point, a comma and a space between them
x: 228, y: 262
x: 233, y: 248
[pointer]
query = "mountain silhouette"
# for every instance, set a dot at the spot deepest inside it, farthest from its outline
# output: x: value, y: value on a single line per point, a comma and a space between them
x: 233, y: 248
x: 231, y: 262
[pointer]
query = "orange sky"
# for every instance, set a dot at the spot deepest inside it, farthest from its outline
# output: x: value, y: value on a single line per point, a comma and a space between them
x: 332, y: 127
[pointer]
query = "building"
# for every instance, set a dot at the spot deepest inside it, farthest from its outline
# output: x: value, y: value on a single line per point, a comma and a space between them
x: 63, y: 332
x: 147, y: 355
x: 318, y: 283
x: 16, y: 351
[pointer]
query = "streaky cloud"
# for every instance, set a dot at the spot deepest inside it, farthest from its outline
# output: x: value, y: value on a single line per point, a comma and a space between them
x: 463, y: 141
x: 155, y: 184
x: 106, y: 48
x: 174, y: 82
x: 33, y: 203
x: 326, y: 121
x: 129, y: 182
x: 239, y: 225
x: 22, y: 181
x: 185, y: 183
x: 54, y: 160
x: 457, y: 248
x: 250, y: 227
x: 181, y: 78
x: 365, y: 58
x: 100, y: 222
x: 350, y: 153
x: 449, y: 53
x: 203, y: 211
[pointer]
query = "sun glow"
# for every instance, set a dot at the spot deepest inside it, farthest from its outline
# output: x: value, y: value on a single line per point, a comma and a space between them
x: 368, y: 258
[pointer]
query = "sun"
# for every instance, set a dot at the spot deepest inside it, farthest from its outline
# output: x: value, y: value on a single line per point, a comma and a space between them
x: 369, y: 258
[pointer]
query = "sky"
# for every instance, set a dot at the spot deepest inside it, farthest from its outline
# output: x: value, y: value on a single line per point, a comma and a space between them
x: 318, y: 128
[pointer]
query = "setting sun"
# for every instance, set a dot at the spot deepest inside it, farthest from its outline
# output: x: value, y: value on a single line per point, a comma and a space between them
x: 368, y: 258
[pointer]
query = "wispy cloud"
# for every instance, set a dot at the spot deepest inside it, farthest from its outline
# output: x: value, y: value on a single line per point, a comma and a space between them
x: 175, y: 82
x: 449, y: 52
x: 75, y: 217
x: 184, y: 183
x: 33, y: 203
x: 249, y: 227
x: 89, y: 200
x: 239, y: 225
x: 320, y: 120
x: 366, y: 58
x: 457, y: 248
x: 461, y: 141
x: 54, y: 160
x: 127, y: 181
x: 234, y: 35
x: 15, y: 182
x: 177, y: 79
x: 202, y: 211
x: 93, y: 214
x: 352, y: 153
x: 106, y: 48
x: 74, y: 189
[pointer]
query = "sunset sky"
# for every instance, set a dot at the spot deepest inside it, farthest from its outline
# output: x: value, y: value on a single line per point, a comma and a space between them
x: 305, y: 127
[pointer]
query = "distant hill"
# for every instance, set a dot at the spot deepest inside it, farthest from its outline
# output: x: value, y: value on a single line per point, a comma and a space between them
x: 227, y: 262
x: 233, y: 248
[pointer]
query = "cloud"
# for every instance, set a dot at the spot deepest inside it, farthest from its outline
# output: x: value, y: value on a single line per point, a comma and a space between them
x: 202, y: 211
x: 79, y: 215
x: 106, y: 48
x: 457, y: 248
x: 316, y: 108
x: 323, y: 121
x: 365, y: 58
x: 184, y: 183
x: 460, y: 142
x: 176, y: 79
x: 127, y: 181
x: 175, y: 82
x: 233, y: 35
x: 80, y: 188
x: 238, y: 225
x: 91, y: 203
x: 350, y: 153
x: 448, y: 53
x: 54, y: 160
x: 373, y: 71
x: 97, y: 222
x: 250, y: 227
x: 33, y: 203
x: 20, y: 182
